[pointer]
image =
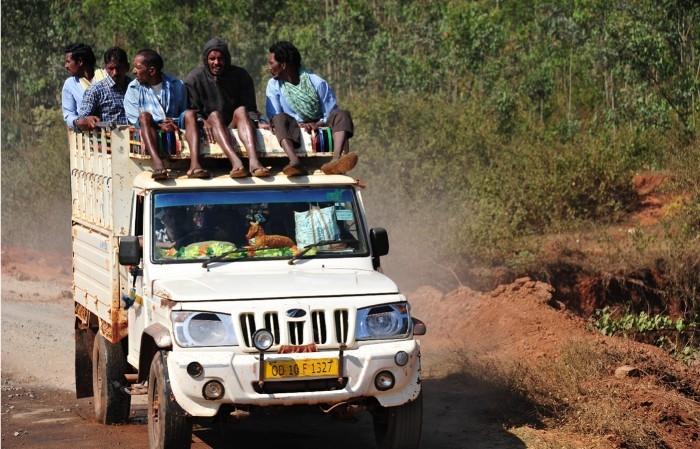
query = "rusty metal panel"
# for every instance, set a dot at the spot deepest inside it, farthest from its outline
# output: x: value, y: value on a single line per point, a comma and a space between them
x: 83, y: 298
x: 93, y: 277
x: 101, y: 188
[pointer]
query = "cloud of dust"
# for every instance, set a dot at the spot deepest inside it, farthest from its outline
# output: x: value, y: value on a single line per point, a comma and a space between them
x: 416, y: 239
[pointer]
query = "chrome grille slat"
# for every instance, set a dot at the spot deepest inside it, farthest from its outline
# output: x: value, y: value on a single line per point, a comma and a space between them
x: 341, y: 325
x: 319, y: 326
x: 273, y: 325
x: 296, y: 332
x: 247, y: 321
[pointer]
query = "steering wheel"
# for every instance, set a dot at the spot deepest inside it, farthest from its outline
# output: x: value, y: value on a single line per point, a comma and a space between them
x: 180, y: 241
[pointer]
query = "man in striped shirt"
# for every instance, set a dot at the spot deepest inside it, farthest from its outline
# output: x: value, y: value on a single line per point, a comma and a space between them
x: 104, y: 101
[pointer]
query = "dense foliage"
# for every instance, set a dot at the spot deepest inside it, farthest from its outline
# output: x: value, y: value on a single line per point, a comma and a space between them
x: 478, y: 121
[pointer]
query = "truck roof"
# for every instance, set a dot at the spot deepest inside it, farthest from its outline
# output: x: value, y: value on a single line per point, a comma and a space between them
x: 143, y: 181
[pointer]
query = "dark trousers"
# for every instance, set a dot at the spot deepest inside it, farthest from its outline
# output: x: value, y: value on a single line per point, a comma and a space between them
x: 285, y: 127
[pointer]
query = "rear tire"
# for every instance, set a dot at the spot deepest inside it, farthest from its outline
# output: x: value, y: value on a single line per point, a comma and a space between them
x: 112, y: 404
x: 84, y: 341
x: 399, y: 427
x: 169, y: 427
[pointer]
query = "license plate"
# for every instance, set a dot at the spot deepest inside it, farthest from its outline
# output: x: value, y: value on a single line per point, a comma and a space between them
x: 285, y: 369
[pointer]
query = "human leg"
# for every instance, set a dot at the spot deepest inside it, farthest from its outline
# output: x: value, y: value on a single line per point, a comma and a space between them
x: 288, y: 134
x: 189, y: 118
x: 246, y: 132
x: 342, y: 128
x: 148, y: 135
x: 223, y: 138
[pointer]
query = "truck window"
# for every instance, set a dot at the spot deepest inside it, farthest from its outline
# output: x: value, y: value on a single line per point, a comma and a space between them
x: 256, y: 224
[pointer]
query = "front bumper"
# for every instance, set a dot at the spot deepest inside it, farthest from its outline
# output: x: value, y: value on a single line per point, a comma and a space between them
x: 239, y: 373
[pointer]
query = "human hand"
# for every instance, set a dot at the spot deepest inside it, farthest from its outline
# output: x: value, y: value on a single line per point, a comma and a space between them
x: 208, y: 132
x: 89, y: 122
x: 309, y: 126
x: 168, y: 125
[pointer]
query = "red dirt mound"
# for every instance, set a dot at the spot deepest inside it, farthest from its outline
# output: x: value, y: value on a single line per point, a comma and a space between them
x: 561, y: 365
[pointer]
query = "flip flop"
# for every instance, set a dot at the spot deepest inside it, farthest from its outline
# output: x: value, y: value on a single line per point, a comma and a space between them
x: 199, y: 173
x: 261, y: 172
x: 239, y: 172
x: 294, y: 170
x: 160, y: 174
x: 341, y: 166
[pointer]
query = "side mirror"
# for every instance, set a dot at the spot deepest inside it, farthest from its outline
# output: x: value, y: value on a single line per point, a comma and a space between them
x: 419, y: 327
x: 129, y: 250
x: 380, y: 242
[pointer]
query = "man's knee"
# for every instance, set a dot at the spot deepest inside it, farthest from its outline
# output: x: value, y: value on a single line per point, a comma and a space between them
x: 281, y: 119
x: 215, y: 117
x: 189, y: 117
x: 145, y: 118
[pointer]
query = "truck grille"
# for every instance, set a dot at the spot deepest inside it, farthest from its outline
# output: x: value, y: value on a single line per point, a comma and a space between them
x: 327, y: 327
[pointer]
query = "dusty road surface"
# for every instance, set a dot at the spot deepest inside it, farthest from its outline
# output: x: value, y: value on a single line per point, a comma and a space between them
x: 39, y: 409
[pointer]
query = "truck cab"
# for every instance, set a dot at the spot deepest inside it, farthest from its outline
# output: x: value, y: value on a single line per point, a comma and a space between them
x: 221, y: 297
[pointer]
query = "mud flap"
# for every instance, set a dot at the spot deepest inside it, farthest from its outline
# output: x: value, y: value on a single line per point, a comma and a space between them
x: 84, y: 340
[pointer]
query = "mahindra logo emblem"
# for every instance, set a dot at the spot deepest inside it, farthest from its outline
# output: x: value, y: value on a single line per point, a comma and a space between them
x: 296, y: 313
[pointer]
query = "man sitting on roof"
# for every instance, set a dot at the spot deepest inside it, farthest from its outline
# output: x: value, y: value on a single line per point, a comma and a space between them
x: 223, y: 96
x: 157, y: 101
x: 80, y: 63
x: 298, y: 98
x: 104, y: 101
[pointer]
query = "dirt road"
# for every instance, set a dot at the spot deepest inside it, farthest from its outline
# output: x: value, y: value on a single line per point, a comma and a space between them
x: 39, y: 409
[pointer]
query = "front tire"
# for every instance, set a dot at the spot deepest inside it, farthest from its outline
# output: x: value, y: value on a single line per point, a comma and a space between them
x: 169, y: 427
x: 399, y: 427
x: 112, y: 403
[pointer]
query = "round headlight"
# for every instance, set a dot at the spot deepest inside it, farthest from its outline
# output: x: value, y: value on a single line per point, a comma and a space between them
x: 206, y: 327
x: 213, y: 390
x: 263, y: 340
x: 195, y: 369
x: 382, y: 322
x: 401, y: 358
x: 384, y: 380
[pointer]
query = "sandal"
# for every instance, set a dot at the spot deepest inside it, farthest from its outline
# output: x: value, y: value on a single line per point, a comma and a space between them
x: 239, y: 172
x: 341, y: 166
x: 261, y: 172
x: 160, y: 174
x: 199, y: 173
x: 294, y: 170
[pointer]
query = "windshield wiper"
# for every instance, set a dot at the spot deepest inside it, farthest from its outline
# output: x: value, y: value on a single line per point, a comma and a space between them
x: 222, y: 256
x: 314, y: 245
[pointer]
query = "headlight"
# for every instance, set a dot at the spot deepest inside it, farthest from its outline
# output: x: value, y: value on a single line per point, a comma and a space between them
x: 385, y: 321
x: 203, y: 329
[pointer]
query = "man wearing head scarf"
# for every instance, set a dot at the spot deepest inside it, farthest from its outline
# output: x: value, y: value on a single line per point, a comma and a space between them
x: 224, y: 96
x: 298, y: 98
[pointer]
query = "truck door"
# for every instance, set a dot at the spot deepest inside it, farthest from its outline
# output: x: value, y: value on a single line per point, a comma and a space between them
x: 135, y: 286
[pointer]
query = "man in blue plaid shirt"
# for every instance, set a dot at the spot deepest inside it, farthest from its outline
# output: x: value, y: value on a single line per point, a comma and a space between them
x: 104, y: 100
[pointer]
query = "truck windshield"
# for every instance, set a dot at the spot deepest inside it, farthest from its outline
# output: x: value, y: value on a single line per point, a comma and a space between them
x: 255, y: 224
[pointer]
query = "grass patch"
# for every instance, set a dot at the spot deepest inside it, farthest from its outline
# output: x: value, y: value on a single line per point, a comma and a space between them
x: 567, y: 393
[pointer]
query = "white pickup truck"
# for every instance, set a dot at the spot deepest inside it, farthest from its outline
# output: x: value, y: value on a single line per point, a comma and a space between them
x: 219, y: 297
